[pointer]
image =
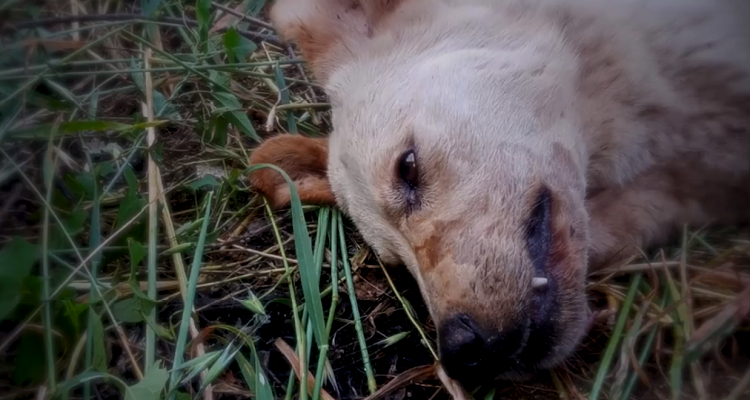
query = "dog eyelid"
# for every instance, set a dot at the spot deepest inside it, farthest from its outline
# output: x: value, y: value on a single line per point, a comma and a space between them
x: 408, y: 178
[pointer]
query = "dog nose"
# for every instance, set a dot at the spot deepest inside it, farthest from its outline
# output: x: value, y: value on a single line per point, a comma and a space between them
x: 470, y: 354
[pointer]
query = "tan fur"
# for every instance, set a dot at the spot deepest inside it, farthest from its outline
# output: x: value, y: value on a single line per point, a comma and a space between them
x: 634, y: 113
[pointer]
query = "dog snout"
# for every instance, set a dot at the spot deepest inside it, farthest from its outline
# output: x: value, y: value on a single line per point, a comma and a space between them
x: 471, y: 354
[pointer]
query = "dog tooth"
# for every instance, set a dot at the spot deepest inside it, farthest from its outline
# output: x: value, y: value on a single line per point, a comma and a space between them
x: 537, y: 282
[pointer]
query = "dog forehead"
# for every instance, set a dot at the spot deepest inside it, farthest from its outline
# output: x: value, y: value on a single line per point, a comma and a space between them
x: 478, y: 91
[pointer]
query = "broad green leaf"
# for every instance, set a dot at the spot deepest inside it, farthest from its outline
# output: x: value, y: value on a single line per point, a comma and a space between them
x: 151, y: 386
x: 160, y: 330
x: 203, y: 15
x: 165, y: 108
x: 137, y: 253
x: 130, y: 206
x: 29, y: 365
x: 72, y: 313
x: 16, y: 260
x: 216, y: 130
x: 208, y: 181
x: 131, y: 180
x: 128, y: 310
x: 238, y: 47
x: 31, y: 294
x: 220, y: 79
x: 233, y: 177
x: 96, y: 330
x: 71, y: 226
x: 236, y: 118
x: 62, y: 91
x: 189, y: 227
x: 162, y: 106
x: 177, y: 249
x: 149, y: 7
x: 132, y: 310
x: 81, y: 185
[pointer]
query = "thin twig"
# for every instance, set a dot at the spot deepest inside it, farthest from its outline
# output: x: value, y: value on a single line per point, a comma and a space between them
x: 246, y: 18
x: 148, y: 112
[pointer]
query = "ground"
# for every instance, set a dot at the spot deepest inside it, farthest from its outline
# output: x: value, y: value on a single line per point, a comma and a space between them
x: 125, y: 130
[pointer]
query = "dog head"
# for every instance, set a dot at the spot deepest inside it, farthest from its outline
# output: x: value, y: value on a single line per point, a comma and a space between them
x: 454, y: 154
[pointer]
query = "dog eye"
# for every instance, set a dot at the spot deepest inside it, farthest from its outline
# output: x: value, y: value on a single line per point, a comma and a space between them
x: 407, y: 169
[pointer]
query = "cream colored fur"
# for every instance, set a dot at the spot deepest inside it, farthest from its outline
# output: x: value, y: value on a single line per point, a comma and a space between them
x: 634, y: 113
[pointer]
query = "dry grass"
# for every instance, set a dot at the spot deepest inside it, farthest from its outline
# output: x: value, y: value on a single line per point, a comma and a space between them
x: 126, y: 129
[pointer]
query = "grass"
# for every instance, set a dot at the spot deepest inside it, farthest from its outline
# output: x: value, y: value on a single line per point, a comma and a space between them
x: 135, y: 262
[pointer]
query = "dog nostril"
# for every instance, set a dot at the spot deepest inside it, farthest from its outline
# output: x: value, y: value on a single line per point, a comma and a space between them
x: 463, y: 348
x: 460, y: 334
x: 469, y: 354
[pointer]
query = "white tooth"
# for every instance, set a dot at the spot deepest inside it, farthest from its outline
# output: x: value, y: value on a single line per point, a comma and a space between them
x: 537, y: 283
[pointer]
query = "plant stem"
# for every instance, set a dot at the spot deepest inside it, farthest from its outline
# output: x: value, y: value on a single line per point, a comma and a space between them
x: 371, y: 384
x: 153, y: 217
x: 46, y: 300
x: 334, y: 303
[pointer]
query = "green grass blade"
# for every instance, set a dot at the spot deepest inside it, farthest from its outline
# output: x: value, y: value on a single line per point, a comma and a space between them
x: 298, y: 329
x: 371, y: 384
x: 611, y: 348
x: 49, y: 167
x: 153, y: 226
x: 334, y: 303
x: 95, y: 240
x: 254, y: 377
x: 284, y: 94
x: 192, y: 283
x: 303, y: 247
x: 196, y: 365
x: 648, y: 344
x: 226, y: 357
x: 409, y: 311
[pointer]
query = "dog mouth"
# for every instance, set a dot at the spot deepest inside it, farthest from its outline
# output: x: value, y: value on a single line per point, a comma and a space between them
x: 473, y: 354
x: 521, y: 354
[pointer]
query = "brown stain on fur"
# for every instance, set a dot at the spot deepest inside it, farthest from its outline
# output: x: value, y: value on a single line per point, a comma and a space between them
x: 432, y: 248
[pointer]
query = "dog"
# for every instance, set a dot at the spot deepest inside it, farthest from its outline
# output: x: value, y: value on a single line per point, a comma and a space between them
x: 503, y: 149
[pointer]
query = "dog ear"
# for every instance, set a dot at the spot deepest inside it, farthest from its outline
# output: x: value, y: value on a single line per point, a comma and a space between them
x: 326, y: 30
x: 304, y: 159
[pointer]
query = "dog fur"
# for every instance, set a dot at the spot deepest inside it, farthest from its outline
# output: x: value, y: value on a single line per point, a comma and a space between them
x: 633, y: 115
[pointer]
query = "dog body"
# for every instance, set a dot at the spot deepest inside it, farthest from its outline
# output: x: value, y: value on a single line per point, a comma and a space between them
x: 500, y: 148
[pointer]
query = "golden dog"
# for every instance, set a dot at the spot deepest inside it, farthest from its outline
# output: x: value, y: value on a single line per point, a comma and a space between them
x: 502, y: 148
